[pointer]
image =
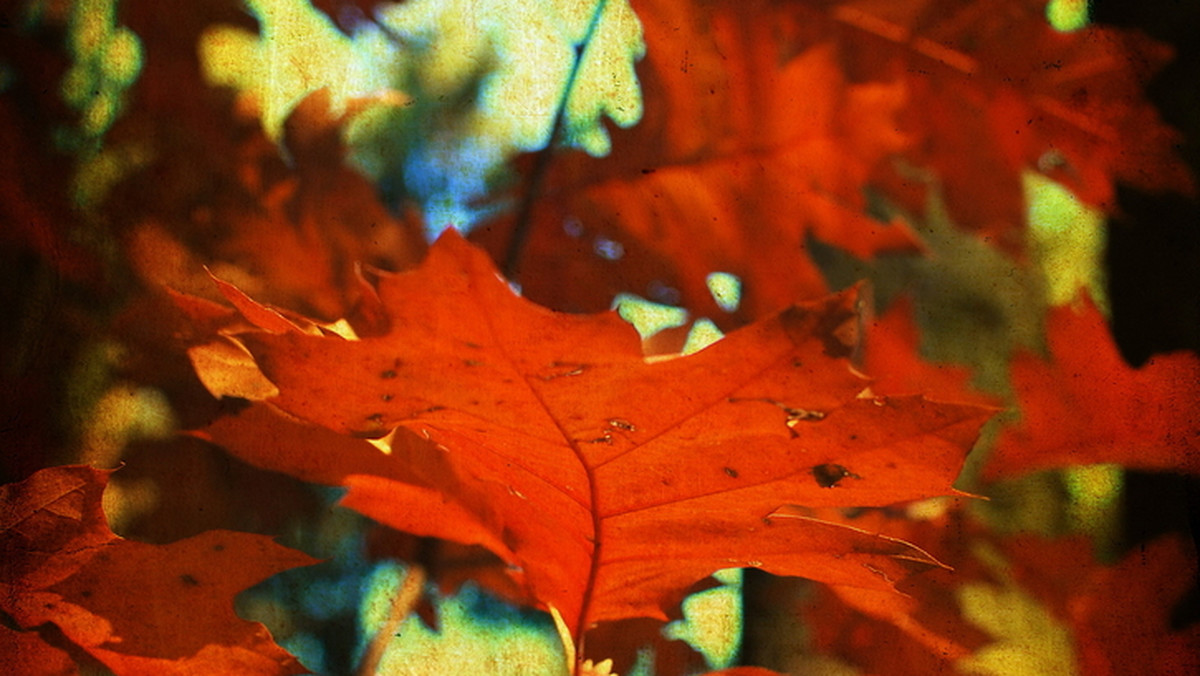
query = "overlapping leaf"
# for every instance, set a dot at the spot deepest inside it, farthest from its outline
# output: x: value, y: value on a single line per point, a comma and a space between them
x: 752, y: 139
x: 893, y: 356
x: 293, y: 234
x: 608, y: 483
x: 993, y: 90
x: 920, y: 632
x: 1084, y: 405
x: 764, y: 124
x: 137, y: 608
x: 1121, y: 615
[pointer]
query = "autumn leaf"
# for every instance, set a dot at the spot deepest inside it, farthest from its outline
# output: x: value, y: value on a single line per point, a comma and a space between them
x: 608, y: 483
x: 26, y: 653
x: 993, y: 91
x: 921, y: 631
x: 292, y: 224
x: 751, y: 141
x: 731, y: 168
x: 135, y: 607
x: 893, y: 352
x: 1084, y: 405
x: 1120, y: 615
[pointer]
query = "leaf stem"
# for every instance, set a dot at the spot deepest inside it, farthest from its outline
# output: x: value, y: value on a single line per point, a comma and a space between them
x: 524, y: 218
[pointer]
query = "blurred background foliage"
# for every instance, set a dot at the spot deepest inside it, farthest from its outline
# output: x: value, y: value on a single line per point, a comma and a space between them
x: 138, y: 136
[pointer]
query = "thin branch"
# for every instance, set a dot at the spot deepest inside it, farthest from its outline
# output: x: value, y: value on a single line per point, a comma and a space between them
x: 402, y: 605
x: 524, y: 218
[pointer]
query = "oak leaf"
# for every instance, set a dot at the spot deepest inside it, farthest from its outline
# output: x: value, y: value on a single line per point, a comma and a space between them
x: 293, y: 225
x: 893, y: 354
x: 135, y: 607
x: 610, y: 484
x: 751, y: 141
x: 765, y: 123
x: 26, y: 653
x: 1084, y: 405
x: 921, y: 631
x: 993, y: 91
x: 1121, y: 616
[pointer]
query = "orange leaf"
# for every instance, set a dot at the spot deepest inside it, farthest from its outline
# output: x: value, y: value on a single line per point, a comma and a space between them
x: 1084, y: 405
x: 923, y: 630
x: 138, y: 608
x: 1120, y: 615
x: 27, y: 654
x: 893, y: 354
x: 610, y: 483
x: 751, y: 141
x: 293, y: 232
x: 994, y: 90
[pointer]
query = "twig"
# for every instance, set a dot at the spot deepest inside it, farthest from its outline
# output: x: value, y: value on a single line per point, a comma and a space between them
x: 541, y: 164
x: 402, y: 604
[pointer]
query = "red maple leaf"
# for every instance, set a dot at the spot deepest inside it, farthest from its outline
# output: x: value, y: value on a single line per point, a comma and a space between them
x: 921, y: 631
x: 752, y: 140
x: 894, y: 354
x: 1120, y: 615
x: 135, y: 607
x: 610, y: 484
x: 26, y: 653
x: 1084, y: 405
x: 294, y: 234
x: 993, y: 90
x: 764, y: 124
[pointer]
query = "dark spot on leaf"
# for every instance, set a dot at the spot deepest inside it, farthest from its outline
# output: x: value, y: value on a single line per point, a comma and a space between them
x: 829, y: 474
x: 472, y: 362
x: 388, y: 374
x: 649, y: 171
x: 86, y: 593
x: 189, y: 580
x: 218, y: 548
x: 731, y: 472
x: 473, y: 346
x: 375, y: 418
